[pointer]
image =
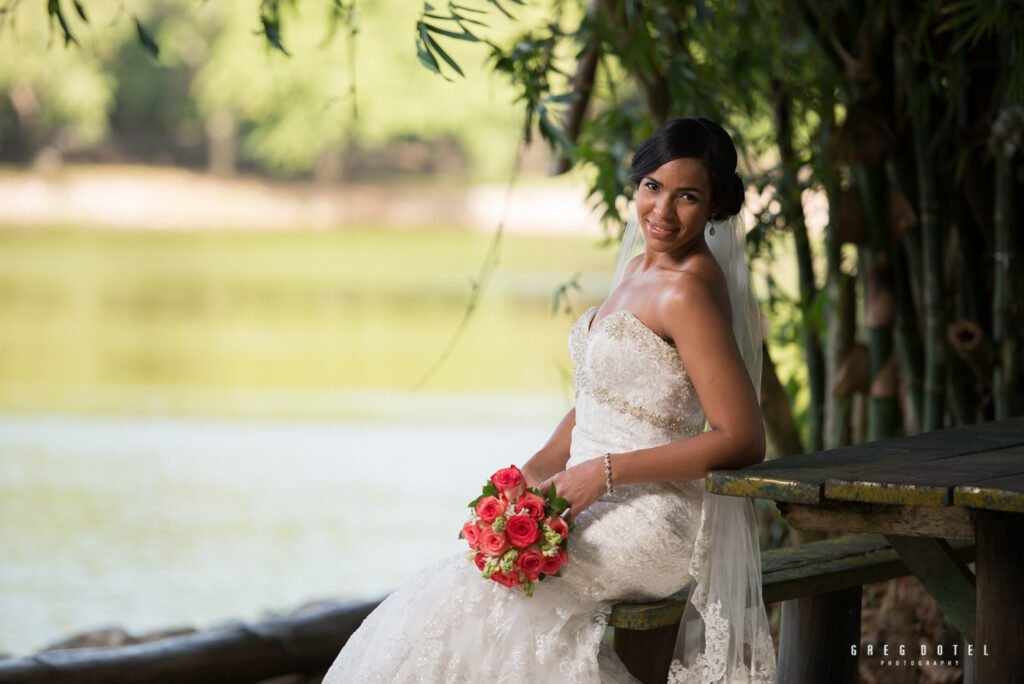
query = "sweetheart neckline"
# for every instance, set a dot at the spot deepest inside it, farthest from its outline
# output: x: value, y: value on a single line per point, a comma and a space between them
x: 592, y: 326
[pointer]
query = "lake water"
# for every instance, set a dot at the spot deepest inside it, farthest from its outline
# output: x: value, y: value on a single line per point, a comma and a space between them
x: 203, y: 426
x: 148, y: 523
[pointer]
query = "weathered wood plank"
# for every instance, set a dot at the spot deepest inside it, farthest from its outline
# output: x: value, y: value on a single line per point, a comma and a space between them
x: 803, y: 478
x: 946, y: 577
x: 304, y: 643
x: 948, y: 522
x: 943, y: 443
x: 932, y: 485
x: 1004, y: 493
x: 792, y: 572
x: 745, y: 483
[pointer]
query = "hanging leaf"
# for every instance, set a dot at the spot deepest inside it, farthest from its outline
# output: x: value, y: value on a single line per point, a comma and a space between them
x: 270, y: 18
x: 463, y: 35
x: 55, y: 11
x: 426, y: 58
x: 444, y: 55
x: 146, y: 39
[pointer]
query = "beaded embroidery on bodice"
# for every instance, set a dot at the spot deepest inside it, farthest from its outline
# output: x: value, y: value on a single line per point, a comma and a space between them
x: 632, y: 390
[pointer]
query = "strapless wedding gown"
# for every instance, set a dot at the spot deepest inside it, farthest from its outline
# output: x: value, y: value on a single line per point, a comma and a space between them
x: 448, y: 624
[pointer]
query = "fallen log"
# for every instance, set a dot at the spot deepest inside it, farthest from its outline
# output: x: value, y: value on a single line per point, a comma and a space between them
x: 306, y: 642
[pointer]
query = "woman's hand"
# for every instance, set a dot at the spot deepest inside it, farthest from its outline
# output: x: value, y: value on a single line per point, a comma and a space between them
x: 531, y: 477
x: 580, y: 485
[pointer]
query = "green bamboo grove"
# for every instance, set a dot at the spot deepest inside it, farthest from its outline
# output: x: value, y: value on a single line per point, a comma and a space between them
x: 910, y: 122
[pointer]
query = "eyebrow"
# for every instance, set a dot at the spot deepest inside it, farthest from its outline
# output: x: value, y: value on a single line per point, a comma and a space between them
x: 679, y: 189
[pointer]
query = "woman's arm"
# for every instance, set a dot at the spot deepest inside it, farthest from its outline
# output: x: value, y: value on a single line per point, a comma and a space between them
x: 701, y: 328
x: 552, y: 456
x: 696, y: 319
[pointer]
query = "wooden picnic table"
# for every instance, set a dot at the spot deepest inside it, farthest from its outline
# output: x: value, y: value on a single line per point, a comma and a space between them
x: 919, y: 491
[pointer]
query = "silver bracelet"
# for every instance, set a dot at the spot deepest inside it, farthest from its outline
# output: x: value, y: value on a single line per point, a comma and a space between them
x: 608, y: 473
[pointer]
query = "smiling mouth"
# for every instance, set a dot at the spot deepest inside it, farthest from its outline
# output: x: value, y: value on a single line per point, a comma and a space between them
x: 661, y: 231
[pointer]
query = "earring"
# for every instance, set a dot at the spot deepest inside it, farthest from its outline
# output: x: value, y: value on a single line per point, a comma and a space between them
x: 711, y: 230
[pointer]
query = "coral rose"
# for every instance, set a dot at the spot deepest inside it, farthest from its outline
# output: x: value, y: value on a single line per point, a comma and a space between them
x: 532, y: 505
x: 531, y: 563
x: 493, y: 543
x: 553, y: 563
x: 522, y: 530
x: 508, y: 579
x: 510, y: 482
x: 507, y: 478
x: 489, y: 508
x: 557, y: 524
x: 471, y: 533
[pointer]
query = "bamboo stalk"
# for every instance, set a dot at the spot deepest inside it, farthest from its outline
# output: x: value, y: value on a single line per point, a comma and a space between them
x: 931, y: 248
x: 840, y: 309
x: 907, y: 337
x: 789, y: 191
x: 882, y: 409
x: 1005, y: 379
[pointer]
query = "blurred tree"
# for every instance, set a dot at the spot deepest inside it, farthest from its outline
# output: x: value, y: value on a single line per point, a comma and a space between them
x: 197, y: 76
x: 48, y: 98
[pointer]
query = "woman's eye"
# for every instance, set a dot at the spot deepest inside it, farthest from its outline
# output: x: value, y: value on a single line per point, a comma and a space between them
x: 651, y: 186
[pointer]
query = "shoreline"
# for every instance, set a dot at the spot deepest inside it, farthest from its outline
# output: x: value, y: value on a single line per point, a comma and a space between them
x: 171, y: 198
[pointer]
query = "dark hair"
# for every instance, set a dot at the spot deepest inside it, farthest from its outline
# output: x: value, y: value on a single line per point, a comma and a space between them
x: 695, y: 137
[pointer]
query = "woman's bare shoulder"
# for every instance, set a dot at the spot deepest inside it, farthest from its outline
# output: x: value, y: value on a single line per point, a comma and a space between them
x: 698, y: 288
x: 633, y: 265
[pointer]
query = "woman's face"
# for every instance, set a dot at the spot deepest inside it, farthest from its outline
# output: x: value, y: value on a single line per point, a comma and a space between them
x: 673, y: 204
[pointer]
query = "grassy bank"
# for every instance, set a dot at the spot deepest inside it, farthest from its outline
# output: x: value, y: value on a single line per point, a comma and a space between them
x: 92, y: 315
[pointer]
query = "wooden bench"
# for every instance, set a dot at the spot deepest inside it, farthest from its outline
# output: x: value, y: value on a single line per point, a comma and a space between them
x: 645, y: 633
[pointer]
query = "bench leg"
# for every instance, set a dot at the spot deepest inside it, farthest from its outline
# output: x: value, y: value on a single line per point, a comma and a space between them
x: 816, y: 635
x: 647, y: 653
x: 1000, y: 631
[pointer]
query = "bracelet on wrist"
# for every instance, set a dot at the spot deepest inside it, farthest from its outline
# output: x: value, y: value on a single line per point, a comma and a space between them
x: 608, y: 473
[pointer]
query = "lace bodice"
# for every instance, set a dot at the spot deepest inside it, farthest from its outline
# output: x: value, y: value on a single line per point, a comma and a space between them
x: 632, y: 390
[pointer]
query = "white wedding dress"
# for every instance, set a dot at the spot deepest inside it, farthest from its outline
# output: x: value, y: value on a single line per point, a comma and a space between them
x: 449, y: 625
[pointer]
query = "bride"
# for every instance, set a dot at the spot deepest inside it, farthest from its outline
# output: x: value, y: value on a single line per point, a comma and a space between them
x: 670, y: 352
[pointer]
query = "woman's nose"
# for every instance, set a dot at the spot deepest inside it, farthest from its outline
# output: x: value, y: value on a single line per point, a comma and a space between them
x: 661, y: 206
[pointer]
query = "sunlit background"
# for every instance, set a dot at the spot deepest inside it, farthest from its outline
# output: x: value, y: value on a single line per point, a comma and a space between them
x: 267, y: 322
x: 225, y: 278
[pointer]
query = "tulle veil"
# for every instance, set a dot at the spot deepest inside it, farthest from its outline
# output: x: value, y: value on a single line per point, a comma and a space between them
x: 724, y: 636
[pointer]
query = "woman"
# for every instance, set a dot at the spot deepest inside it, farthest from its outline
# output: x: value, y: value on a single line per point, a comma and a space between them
x: 655, y: 361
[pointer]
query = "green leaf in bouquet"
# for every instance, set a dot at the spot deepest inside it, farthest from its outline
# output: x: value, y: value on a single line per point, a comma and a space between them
x: 491, y: 490
x: 528, y: 587
x: 558, y: 504
x: 474, y: 502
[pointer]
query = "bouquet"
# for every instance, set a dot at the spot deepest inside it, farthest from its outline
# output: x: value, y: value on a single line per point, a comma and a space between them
x: 516, y: 536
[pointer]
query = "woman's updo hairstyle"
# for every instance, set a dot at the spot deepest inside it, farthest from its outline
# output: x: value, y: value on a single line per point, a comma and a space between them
x: 695, y: 137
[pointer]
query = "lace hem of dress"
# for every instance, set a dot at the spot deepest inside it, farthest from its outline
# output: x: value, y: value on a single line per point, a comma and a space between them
x: 710, y: 666
x: 724, y: 635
